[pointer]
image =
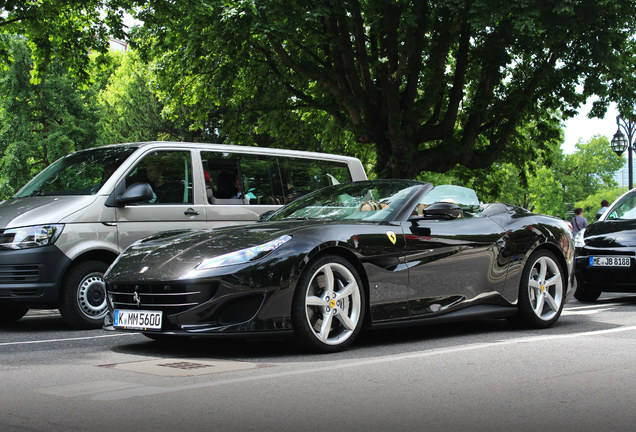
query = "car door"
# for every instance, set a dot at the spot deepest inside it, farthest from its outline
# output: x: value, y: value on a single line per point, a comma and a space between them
x: 382, y: 248
x: 451, y: 262
x: 170, y: 174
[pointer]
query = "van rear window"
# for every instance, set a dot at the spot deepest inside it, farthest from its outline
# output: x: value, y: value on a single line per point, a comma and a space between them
x: 262, y: 179
x: 81, y: 173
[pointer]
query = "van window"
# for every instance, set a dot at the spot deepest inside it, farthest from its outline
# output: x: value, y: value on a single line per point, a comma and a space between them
x: 258, y: 179
x: 301, y: 176
x: 241, y: 178
x: 169, y: 173
x: 81, y: 173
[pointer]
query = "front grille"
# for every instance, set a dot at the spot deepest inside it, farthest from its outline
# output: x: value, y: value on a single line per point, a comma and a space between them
x: 19, y: 273
x: 170, y: 298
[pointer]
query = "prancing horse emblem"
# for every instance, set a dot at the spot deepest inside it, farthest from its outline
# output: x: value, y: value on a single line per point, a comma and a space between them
x: 136, y: 298
x: 391, y: 236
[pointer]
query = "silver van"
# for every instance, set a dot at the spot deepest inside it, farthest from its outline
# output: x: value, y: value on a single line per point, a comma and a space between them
x: 62, y: 230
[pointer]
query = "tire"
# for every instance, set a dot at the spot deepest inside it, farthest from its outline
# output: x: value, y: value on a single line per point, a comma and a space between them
x: 541, y: 291
x: 585, y: 293
x: 83, y: 301
x: 329, y: 305
x: 12, y: 312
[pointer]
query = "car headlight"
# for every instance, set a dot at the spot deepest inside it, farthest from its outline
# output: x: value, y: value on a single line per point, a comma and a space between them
x: 30, y: 236
x: 244, y: 255
x: 578, y: 239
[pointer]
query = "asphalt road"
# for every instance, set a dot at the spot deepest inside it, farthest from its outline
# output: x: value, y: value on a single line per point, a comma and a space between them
x: 579, y: 375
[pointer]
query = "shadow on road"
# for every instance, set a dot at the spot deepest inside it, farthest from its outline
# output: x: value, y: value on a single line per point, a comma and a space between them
x: 370, y: 343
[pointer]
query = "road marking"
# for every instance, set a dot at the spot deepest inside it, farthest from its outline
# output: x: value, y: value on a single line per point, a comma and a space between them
x: 84, y: 389
x: 153, y: 390
x: 65, y: 339
x: 571, y: 312
x: 595, y: 306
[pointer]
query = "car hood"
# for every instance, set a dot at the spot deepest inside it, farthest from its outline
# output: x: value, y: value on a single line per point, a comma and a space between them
x: 17, y: 212
x: 611, y: 233
x: 171, y: 255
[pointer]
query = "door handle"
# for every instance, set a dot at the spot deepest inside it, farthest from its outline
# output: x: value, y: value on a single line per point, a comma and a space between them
x: 191, y: 212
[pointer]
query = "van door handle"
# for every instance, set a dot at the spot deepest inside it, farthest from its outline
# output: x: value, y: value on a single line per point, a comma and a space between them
x: 191, y: 212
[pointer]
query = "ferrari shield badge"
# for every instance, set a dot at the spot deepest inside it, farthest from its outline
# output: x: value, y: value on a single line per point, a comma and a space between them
x: 391, y: 236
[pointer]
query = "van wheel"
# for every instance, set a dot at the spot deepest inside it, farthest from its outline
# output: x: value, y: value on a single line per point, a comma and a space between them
x: 83, y: 302
x: 11, y: 312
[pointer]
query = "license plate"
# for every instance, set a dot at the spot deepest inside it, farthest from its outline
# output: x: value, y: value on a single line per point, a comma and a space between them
x: 610, y: 261
x: 137, y: 319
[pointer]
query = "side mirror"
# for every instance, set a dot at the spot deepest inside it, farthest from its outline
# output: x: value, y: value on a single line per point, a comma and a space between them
x: 439, y: 210
x: 136, y: 193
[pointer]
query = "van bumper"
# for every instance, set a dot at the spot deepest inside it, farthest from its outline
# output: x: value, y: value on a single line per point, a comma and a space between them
x: 32, y: 276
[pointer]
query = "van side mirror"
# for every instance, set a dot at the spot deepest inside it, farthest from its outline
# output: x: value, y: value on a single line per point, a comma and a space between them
x: 136, y: 193
x: 439, y: 210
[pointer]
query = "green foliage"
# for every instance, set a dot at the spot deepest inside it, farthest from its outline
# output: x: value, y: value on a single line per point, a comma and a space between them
x: 39, y: 122
x: 590, y: 168
x: 63, y: 29
x: 129, y: 109
x: 547, y: 194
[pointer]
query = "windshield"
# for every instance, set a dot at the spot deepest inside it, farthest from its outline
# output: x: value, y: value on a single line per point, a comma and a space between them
x: 625, y: 208
x: 464, y: 197
x: 81, y: 173
x: 378, y: 200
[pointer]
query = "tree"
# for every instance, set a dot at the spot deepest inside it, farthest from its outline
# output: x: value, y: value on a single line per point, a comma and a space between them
x: 130, y: 111
x: 39, y: 122
x: 428, y: 84
x: 589, y: 169
x: 65, y: 29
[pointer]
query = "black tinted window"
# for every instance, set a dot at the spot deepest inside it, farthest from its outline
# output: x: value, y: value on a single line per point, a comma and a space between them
x: 268, y: 179
x: 169, y: 173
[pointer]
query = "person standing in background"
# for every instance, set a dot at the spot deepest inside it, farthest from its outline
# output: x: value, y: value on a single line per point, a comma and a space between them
x: 604, y: 206
x: 578, y: 221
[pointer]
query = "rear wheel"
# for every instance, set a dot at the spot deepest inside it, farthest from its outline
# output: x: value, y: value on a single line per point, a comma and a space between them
x: 586, y: 293
x: 329, y: 304
x: 541, y: 292
x: 11, y: 312
x: 83, y: 303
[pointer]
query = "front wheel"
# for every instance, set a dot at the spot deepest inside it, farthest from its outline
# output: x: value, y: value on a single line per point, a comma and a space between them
x: 83, y: 302
x: 541, y: 292
x: 329, y: 304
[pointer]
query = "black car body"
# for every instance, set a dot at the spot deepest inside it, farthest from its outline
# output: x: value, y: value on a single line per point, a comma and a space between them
x: 605, y: 251
x: 326, y: 263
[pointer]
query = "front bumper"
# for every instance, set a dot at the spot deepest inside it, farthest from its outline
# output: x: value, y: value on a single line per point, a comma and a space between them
x: 32, y: 276
x: 617, y: 279
x: 219, y: 306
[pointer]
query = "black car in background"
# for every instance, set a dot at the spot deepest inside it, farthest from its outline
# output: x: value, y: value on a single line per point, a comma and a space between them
x: 605, y: 251
x: 372, y: 253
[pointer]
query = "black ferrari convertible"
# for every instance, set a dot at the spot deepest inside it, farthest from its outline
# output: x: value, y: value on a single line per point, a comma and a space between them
x: 373, y: 253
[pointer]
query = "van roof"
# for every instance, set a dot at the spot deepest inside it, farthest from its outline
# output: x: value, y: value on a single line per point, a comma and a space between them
x: 233, y: 148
